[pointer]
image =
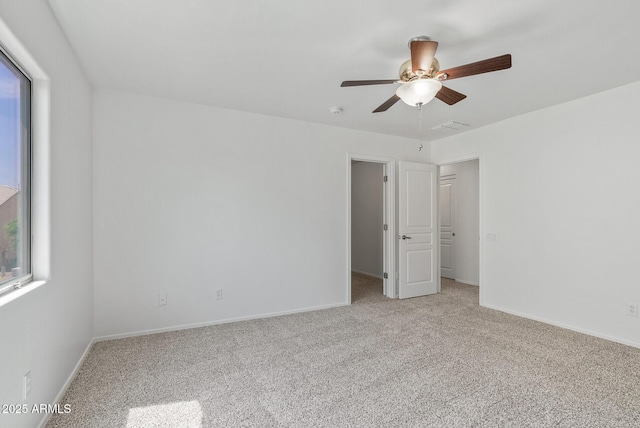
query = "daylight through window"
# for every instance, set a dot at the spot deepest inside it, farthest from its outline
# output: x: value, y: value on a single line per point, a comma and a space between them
x: 15, y: 156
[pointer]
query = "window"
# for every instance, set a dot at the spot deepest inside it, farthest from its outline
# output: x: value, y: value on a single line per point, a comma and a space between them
x: 15, y: 175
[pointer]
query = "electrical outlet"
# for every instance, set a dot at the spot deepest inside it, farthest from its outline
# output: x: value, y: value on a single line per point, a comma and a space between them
x: 219, y: 294
x: 162, y: 299
x: 26, y: 390
x: 632, y: 309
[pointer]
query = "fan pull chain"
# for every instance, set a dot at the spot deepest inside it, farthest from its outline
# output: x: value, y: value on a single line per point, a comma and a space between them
x: 420, y: 116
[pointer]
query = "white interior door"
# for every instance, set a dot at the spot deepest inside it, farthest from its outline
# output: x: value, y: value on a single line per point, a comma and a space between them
x: 418, y: 252
x: 447, y: 227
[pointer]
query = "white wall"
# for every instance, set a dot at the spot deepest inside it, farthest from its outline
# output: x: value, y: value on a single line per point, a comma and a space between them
x: 559, y: 190
x: 367, y: 217
x: 48, y: 330
x: 467, y: 257
x: 190, y: 198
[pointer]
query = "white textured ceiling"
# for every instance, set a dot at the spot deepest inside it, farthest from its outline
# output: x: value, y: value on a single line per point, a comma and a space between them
x: 287, y: 58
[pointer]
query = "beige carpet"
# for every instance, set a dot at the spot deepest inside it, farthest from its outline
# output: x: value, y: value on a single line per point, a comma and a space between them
x: 437, y: 361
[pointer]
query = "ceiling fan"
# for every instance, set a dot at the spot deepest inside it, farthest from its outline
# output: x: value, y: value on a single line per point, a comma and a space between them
x: 421, y: 77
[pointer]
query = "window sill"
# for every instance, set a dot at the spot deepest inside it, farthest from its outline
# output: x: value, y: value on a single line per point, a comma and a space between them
x: 13, y: 295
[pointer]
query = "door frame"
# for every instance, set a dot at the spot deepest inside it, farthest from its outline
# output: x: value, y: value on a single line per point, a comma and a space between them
x: 481, y: 229
x: 390, y: 288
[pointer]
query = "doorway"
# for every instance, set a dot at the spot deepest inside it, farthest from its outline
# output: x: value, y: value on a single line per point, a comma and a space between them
x: 460, y: 221
x: 448, y: 225
x: 370, y: 226
x: 367, y: 229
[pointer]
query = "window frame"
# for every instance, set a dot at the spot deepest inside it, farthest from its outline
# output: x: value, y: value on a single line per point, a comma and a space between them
x: 26, y: 177
x: 41, y: 136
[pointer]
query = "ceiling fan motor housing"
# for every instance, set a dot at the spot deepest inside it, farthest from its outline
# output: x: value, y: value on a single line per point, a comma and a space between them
x: 406, y: 74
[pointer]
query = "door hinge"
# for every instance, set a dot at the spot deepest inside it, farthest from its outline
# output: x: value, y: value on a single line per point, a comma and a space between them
x: 385, y: 227
x: 385, y: 275
x: 386, y: 178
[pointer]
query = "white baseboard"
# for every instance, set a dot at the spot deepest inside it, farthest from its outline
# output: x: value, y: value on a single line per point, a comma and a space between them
x: 462, y: 281
x: 66, y: 385
x: 210, y: 323
x: 567, y: 326
x: 366, y: 273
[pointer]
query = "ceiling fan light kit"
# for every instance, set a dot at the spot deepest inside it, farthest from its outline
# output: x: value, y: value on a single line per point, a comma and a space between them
x: 420, y: 76
x: 418, y: 92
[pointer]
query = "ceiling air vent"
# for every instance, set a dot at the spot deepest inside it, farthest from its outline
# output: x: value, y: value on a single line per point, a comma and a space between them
x: 451, y: 126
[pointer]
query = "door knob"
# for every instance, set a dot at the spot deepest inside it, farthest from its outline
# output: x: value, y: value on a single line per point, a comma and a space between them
x: 405, y: 237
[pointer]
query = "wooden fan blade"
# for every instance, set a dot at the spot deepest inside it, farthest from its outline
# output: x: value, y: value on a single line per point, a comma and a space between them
x: 422, y: 53
x: 450, y: 96
x: 367, y: 82
x: 385, y: 105
x: 492, y: 64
